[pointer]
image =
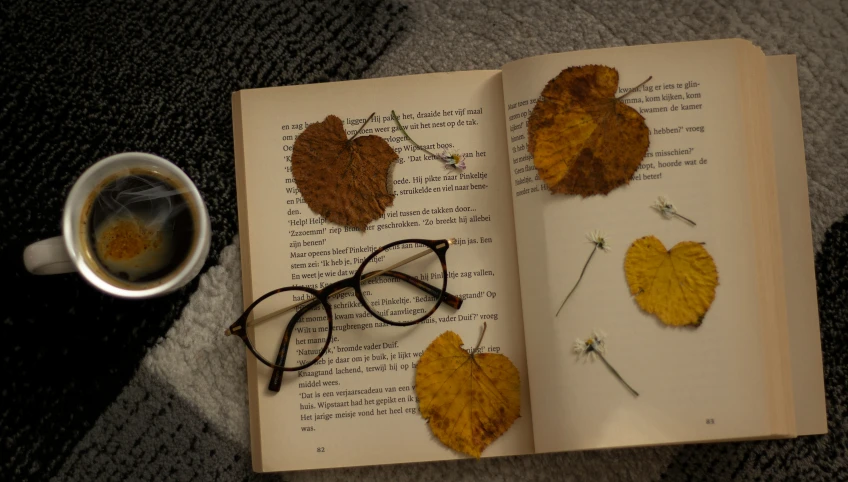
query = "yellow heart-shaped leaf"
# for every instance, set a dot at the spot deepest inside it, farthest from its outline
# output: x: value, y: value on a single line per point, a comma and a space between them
x: 469, y: 400
x: 676, y: 285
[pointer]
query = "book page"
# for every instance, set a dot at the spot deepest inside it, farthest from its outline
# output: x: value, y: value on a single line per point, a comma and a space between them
x: 694, y: 384
x: 798, y: 254
x: 357, y: 405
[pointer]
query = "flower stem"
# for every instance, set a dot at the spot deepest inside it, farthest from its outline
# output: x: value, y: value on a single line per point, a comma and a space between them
x: 578, y: 280
x: 634, y: 88
x: 685, y: 219
x: 614, y: 372
x: 403, y: 131
x: 362, y: 126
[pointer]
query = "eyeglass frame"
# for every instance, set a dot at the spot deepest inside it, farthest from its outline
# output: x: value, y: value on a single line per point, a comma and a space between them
x: 239, y: 327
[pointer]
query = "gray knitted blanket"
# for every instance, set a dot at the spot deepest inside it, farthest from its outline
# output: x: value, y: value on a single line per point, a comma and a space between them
x: 104, y: 389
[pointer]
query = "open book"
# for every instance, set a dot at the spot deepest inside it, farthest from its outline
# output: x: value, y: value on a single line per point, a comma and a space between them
x: 725, y: 145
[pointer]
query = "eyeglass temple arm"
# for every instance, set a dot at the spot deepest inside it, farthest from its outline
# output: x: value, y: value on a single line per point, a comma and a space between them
x: 277, y: 375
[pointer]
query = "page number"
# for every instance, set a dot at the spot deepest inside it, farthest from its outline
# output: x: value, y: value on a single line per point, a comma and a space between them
x: 710, y: 421
x: 320, y: 449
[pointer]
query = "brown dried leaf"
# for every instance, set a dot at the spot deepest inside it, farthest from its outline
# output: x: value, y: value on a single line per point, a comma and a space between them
x: 345, y: 181
x: 583, y: 139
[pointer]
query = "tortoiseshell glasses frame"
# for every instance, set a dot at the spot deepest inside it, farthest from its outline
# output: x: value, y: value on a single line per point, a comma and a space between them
x: 321, y: 297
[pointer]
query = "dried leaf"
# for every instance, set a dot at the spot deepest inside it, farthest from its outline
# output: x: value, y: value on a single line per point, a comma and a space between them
x: 468, y: 400
x: 345, y: 181
x: 678, y: 286
x: 583, y: 139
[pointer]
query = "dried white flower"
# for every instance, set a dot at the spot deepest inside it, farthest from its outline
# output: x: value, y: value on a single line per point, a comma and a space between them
x: 668, y: 211
x: 453, y: 160
x: 665, y: 207
x: 599, y: 239
x: 592, y: 346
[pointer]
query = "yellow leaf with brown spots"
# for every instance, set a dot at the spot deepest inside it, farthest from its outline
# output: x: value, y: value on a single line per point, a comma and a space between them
x: 468, y: 400
x: 676, y: 285
x: 585, y: 140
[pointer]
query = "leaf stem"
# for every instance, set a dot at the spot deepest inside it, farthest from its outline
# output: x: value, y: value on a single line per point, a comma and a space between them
x: 362, y: 126
x: 403, y: 131
x: 479, y: 340
x: 685, y: 219
x: 634, y: 88
x: 578, y: 280
x: 614, y: 372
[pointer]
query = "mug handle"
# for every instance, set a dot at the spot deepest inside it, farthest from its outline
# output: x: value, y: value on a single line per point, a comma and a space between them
x: 48, y: 256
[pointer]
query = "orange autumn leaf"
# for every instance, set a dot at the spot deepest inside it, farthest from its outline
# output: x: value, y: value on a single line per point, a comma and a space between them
x: 677, y: 285
x: 585, y: 140
x: 468, y: 400
x: 345, y: 181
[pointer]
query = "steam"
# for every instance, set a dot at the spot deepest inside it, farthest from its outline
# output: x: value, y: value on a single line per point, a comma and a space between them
x: 149, y: 202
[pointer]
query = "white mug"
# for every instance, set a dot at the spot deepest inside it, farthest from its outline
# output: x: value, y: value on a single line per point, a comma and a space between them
x: 134, y: 226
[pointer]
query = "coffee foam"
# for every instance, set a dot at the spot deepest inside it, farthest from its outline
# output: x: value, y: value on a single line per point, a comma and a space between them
x: 131, y: 247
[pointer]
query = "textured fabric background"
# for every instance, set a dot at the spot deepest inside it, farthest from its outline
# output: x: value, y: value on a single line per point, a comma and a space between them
x: 104, y: 389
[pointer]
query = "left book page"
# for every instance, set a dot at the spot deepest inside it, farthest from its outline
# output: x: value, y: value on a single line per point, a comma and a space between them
x: 357, y: 406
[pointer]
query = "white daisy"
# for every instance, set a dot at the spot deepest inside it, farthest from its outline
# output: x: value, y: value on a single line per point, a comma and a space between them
x: 453, y: 160
x: 665, y: 207
x: 599, y: 239
x: 592, y: 346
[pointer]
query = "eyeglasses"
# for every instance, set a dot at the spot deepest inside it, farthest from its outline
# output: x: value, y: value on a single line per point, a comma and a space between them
x: 393, y: 284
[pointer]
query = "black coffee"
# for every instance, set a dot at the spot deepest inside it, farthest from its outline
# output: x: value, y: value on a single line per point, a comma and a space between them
x: 140, y: 227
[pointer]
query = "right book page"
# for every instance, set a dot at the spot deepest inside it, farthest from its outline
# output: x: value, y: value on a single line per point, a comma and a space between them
x: 714, y: 382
